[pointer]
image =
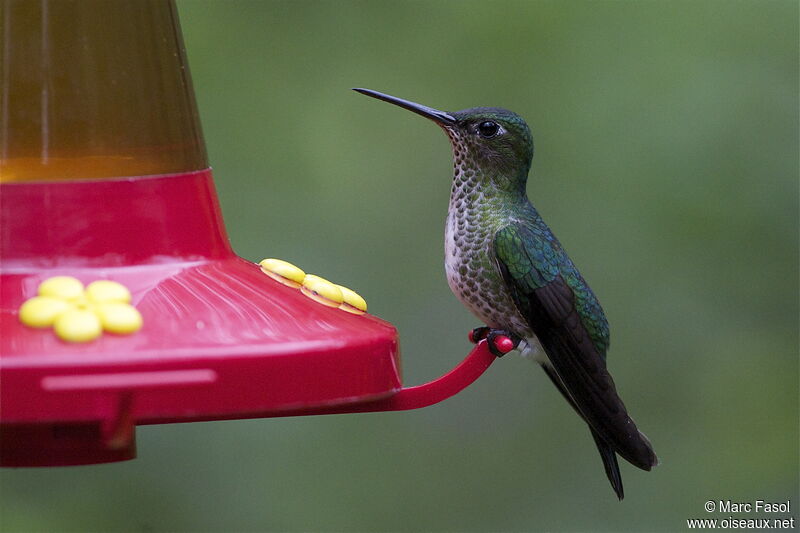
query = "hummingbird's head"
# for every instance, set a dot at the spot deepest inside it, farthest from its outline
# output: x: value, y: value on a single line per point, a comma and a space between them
x: 493, y: 138
x: 486, y: 138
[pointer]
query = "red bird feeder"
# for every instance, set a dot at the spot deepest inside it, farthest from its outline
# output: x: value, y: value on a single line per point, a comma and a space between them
x: 104, y: 177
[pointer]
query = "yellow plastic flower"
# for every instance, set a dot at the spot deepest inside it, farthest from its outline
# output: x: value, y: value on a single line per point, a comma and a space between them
x: 323, y: 291
x: 315, y: 287
x: 282, y: 271
x: 80, y: 315
x: 353, y: 303
x: 61, y: 287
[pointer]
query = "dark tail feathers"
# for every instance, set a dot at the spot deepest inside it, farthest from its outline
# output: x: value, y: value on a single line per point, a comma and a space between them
x: 609, y: 457
x: 607, y: 452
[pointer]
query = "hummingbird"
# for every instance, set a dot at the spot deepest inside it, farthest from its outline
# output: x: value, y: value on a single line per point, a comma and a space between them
x: 505, y: 265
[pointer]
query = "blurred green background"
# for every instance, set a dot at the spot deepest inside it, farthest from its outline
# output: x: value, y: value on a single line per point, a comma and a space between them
x: 667, y: 164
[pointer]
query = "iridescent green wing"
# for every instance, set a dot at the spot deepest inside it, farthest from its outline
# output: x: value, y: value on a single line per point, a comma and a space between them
x: 533, y: 259
x: 549, y: 292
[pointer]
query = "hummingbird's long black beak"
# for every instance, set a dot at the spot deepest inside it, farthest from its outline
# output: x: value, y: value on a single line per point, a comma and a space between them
x: 440, y: 117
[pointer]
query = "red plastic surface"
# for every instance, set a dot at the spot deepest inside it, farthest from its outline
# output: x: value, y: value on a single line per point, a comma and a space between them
x: 466, y: 372
x: 220, y: 338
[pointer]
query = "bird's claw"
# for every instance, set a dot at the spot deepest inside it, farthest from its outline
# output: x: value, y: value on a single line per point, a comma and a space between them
x: 499, y: 341
x: 478, y: 334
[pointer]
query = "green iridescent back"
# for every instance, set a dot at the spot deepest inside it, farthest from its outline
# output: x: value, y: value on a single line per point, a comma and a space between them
x: 534, y: 258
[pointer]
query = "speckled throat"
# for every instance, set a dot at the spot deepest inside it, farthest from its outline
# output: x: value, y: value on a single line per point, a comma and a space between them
x: 479, y: 207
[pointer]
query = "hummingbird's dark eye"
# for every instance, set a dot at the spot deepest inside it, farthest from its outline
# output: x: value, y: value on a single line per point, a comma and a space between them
x: 488, y: 129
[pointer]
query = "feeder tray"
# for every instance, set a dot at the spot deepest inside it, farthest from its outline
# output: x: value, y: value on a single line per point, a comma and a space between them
x: 220, y: 338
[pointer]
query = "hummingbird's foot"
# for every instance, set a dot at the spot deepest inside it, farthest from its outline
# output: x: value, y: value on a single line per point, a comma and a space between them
x: 500, y: 341
x: 478, y: 334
